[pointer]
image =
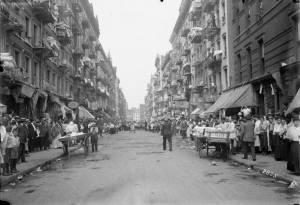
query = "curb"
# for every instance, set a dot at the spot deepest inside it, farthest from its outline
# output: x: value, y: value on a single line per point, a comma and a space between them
x: 14, y: 177
x: 265, y: 172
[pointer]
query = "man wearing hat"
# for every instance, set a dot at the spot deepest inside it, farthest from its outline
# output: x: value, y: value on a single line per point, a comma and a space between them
x: 94, y: 136
x: 23, y: 137
x: 248, y: 137
x: 166, y: 132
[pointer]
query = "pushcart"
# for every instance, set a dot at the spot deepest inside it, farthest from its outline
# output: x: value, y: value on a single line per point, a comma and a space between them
x: 83, y: 139
x: 213, y: 139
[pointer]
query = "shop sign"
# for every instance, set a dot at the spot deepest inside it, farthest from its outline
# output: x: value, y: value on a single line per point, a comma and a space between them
x: 73, y: 105
x: 180, y: 104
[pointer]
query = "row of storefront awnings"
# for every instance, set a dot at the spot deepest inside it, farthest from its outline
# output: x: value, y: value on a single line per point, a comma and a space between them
x: 234, y: 98
x: 295, y: 104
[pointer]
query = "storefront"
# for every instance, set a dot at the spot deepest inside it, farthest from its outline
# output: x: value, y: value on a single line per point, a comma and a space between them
x: 243, y: 96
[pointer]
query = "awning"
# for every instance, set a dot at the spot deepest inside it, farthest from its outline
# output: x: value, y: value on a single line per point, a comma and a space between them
x: 84, y: 113
x: 54, y: 98
x: 238, y: 97
x: 27, y: 90
x: 3, y: 108
x: 295, y: 103
x: 197, y: 111
x: 65, y: 109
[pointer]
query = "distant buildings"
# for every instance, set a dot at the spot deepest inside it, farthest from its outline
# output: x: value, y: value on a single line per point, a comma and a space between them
x: 56, y: 59
x: 136, y: 114
x: 227, y: 54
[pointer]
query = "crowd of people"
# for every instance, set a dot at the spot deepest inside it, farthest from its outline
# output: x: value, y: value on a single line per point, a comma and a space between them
x: 276, y: 135
x: 20, y: 136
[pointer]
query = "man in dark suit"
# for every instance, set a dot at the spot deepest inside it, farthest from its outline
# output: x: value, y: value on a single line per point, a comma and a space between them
x: 248, y: 137
x: 166, y: 132
x: 23, y: 137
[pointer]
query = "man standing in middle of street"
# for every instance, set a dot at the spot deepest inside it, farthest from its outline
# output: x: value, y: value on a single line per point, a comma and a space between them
x: 248, y: 137
x: 166, y: 132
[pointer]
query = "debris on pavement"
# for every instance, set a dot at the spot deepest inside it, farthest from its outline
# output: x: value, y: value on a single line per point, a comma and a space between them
x: 213, y: 163
x: 20, y: 177
x: 12, y: 184
x: 293, y: 185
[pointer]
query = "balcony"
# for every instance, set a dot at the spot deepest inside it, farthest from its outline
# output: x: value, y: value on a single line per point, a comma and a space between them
x: 76, y: 29
x: 85, y: 24
x: 92, y: 38
x: 45, y: 10
x: 92, y: 55
x: 4, y: 17
x: 63, y: 33
x: 196, y: 59
x: 98, y: 47
x: 77, y: 52
x: 178, y: 62
x: 64, y: 65
x: 196, y: 35
x: 87, y: 61
x: 77, y: 76
x: 48, y: 47
x: 211, y: 32
x: 13, y: 25
x: 185, y: 32
x: 85, y: 45
x: 76, y: 6
x: 187, y: 70
x: 208, y: 5
x: 196, y: 9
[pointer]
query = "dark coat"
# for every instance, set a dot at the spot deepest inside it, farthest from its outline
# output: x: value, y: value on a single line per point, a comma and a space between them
x: 247, y: 131
x: 22, y: 133
x: 166, y: 129
x: 31, y: 132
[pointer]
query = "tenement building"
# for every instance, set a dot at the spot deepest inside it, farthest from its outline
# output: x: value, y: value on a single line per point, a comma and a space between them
x: 227, y: 55
x: 53, y: 60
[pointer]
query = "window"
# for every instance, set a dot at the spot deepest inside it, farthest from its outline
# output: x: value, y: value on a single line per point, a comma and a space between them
x: 226, y: 77
x: 249, y: 61
x: 17, y: 58
x: 225, y: 46
x: 58, y: 83
x: 48, y: 76
x: 53, y: 79
x: 27, y: 64
x: 249, y: 18
x: 239, y: 65
x: 35, y: 35
x: 261, y: 53
x: 27, y: 27
x: 34, y: 78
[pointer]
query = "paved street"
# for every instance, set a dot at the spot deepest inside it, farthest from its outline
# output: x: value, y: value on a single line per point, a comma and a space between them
x: 132, y: 168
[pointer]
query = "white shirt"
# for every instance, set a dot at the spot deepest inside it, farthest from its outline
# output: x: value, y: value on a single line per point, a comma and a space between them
x: 278, y: 128
x: 293, y: 133
x: 71, y: 127
x: 2, y: 132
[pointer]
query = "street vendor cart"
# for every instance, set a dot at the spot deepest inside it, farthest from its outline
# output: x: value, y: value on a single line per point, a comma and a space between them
x: 212, y: 138
x: 83, y: 139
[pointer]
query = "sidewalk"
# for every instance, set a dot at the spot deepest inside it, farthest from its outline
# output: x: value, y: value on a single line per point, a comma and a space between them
x: 268, y: 166
x: 34, y: 161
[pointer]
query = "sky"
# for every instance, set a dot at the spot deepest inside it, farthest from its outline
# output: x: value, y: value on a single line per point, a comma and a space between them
x: 134, y: 32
